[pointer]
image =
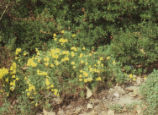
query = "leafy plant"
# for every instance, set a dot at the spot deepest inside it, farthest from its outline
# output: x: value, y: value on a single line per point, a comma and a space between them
x: 150, y: 92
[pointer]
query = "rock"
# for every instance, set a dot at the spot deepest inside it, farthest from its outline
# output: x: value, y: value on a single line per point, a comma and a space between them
x: 139, y: 110
x: 103, y: 113
x: 60, y: 112
x: 110, y: 112
x: 116, y: 92
x: 89, y: 113
x: 57, y: 100
x: 48, y: 113
x: 139, y: 81
x: 38, y: 113
x: 89, y: 106
x: 131, y: 88
x: 89, y: 93
x: 77, y: 110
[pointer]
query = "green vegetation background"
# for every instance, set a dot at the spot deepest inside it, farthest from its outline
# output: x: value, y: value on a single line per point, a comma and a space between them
x: 124, y: 32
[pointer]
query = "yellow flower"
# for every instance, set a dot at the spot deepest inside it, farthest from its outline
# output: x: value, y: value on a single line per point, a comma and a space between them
x: 17, y: 79
x: 65, y: 59
x: 62, y: 40
x: 62, y: 31
x: 13, y: 68
x: 51, y: 65
x: 46, y: 59
x: 42, y: 73
x: 55, y: 39
x: 52, y: 86
x: 145, y: 77
x: 13, y: 76
x: 89, y: 79
x: 72, y: 63
x: 12, y: 88
x: 83, y: 48
x: 47, y: 82
x: 6, y: 80
x: 28, y: 94
x: 31, y: 88
x: 72, y: 54
x: 101, y: 58
x: 56, y: 92
x: 130, y: 76
x: 12, y: 83
x: 25, y: 53
x: 81, y: 61
x: 3, y: 72
x: 46, y: 64
x: 55, y: 56
x: 65, y: 52
x: 114, y: 62
x: 56, y: 63
x: 18, y: 50
x: 54, y: 35
x: 73, y: 35
x: 31, y: 62
x: 37, y: 51
x: 80, y: 79
x: 80, y: 76
x: 81, y: 55
x: 98, y: 79
x: 108, y: 57
x: 74, y: 48
x: 36, y: 104
x: 85, y: 80
x: 85, y: 74
x: 134, y: 79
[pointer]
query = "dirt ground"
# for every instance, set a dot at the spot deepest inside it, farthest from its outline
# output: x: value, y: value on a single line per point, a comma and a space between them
x: 118, y: 100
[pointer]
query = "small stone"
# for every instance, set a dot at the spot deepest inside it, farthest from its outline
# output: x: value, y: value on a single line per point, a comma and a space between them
x: 139, y: 81
x: 60, y: 112
x: 103, y: 113
x: 89, y: 113
x: 89, y: 93
x: 77, y: 110
x: 116, y: 94
x: 110, y: 112
x: 89, y: 106
x: 131, y: 88
x: 48, y: 113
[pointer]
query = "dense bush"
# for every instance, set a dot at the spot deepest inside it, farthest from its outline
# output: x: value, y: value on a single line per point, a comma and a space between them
x: 63, y: 70
x: 150, y: 92
x: 137, y: 47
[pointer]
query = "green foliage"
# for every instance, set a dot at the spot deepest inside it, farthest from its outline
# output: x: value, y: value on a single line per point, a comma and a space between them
x: 136, y: 47
x: 93, y: 41
x: 150, y: 92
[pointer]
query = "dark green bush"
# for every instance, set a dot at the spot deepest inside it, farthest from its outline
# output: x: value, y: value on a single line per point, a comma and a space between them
x: 137, y: 46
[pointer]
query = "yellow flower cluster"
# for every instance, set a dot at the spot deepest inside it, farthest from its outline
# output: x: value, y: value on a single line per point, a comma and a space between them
x: 42, y: 73
x: 46, y: 61
x: 13, y: 68
x: 14, y: 77
x: 84, y: 76
x: 18, y: 50
x: 31, y: 90
x: 3, y: 72
x: 63, y: 41
x: 74, y: 49
x: 131, y: 76
x: 31, y: 62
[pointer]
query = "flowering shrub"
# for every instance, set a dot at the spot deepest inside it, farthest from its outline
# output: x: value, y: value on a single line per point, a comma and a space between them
x: 67, y: 69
